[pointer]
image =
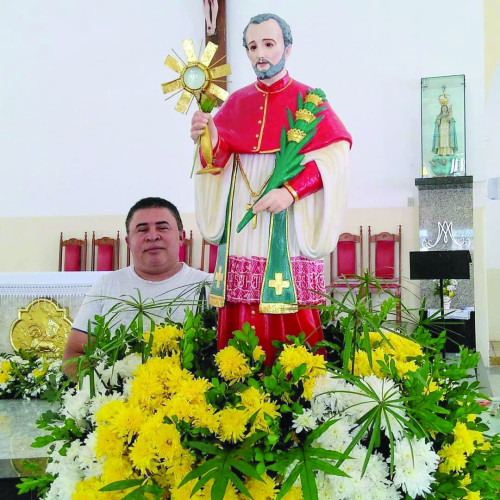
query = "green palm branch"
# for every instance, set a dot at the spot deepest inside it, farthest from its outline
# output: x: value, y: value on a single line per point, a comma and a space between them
x: 288, y: 159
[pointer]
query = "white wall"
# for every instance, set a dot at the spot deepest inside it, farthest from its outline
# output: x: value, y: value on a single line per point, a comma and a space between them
x: 84, y: 129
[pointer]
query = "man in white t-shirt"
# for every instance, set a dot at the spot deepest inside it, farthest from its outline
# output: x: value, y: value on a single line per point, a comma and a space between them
x: 154, y: 234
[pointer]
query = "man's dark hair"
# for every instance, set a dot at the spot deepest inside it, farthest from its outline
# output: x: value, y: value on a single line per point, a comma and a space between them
x: 260, y: 18
x: 154, y: 202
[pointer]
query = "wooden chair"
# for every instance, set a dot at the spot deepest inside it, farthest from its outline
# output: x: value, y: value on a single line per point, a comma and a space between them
x: 75, y: 254
x: 105, y: 253
x: 346, y: 262
x: 384, y: 263
x: 209, y: 261
x: 186, y: 249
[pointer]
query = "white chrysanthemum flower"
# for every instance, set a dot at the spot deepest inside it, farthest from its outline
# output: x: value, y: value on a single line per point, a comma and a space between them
x: 66, y: 481
x: 74, y: 450
x: 18, y: 360
x: 329, y: 391
x: 127, y: 388
x: 304, y: 422
x: 76, y: 404
x: 87, y: 461
x: 383, y: 392
x: 414, y: 472
x: 336, y: 437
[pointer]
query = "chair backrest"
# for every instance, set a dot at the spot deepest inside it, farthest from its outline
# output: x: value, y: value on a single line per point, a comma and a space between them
x: 208, y: 264
x: 384, y: 255
x: 105, y: 253
x: 186, y: 249
x: 346, y: 261
x: 74, y: 254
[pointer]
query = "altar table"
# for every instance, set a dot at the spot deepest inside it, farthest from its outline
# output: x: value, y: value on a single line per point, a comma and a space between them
x: 18, y: 289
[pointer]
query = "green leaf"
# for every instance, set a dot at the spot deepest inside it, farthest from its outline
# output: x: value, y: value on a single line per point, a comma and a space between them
x: 290, y: 481
x: 316, y: 433
x: 122, y: 485
x: 327, y: 467
x: 204, y: 447
x: 201, y: 470
x: 245, y: 468
x: 308, y: 482
x: 219, y: 487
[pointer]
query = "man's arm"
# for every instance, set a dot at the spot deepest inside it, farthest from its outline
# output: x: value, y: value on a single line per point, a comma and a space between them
x: 74, y: 348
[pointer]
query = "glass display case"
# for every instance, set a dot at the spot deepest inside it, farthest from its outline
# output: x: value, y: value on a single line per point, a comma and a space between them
x: 443, y: 126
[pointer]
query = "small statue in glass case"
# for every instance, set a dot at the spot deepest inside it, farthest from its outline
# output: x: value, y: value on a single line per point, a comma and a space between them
x: 444, y: 142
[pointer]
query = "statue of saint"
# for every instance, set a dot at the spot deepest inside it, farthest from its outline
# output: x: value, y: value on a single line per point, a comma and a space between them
x: 270, y: 273
x: 444, y: 141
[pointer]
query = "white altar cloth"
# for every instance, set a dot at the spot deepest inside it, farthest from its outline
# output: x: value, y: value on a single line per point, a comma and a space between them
x: 49, y: 284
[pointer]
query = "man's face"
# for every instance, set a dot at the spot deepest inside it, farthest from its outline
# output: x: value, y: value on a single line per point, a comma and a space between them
x: 154, y: 241
x: 266, y: 49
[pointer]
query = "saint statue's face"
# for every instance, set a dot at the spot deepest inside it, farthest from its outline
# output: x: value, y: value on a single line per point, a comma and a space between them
x: 266, y: 50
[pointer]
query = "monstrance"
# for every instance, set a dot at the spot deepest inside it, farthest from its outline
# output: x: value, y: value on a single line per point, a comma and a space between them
x: 197, y: 79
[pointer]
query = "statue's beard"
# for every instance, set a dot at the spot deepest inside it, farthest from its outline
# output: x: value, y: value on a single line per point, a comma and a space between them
x: 273, y: 69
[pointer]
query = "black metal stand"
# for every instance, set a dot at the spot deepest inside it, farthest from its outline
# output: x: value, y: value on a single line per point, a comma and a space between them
x: 450, y: 264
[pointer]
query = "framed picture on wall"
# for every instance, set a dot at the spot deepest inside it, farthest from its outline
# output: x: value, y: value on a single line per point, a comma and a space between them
x: 443, y: 126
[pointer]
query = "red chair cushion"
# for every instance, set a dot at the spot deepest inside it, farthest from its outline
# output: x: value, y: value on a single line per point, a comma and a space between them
x: 384, y: 260
x: 105, y: 258
x: 212, y: 258
x: 72, y: 256
x: 182, y: 253
x: 346, y: 259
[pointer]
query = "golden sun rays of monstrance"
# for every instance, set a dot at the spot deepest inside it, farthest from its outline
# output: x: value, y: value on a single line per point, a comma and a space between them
x: 197, y: 76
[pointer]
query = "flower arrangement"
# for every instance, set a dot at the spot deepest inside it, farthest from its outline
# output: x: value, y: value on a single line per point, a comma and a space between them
x: 166, y: 416
x: 449, y: 287
x: 24, y: 375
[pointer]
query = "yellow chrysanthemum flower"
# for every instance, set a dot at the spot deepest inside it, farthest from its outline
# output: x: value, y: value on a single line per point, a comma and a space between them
x: 232, y: 424
x: 108, y: 443
x: 89, y: 488
x: 108, y: 410
x: 40, y: 372
x: 5, y: 371
x: 403, y: 367
x: 251, y: 398
x: 254, y: 401
x: 116, y: 468
x: 165, y: 339
x: 264, y: 490
x: 454, y: 458
x: 294, y: 493
x: 473, y: 495
x: 232, y: 364
x: 293, y: 356
x: 206, y: 417
x: 467, y: 437
x: 156, y: 380
x: 257, y: 353
x: 127, y: 421
x: 143, y: 454
x: 466, y: 480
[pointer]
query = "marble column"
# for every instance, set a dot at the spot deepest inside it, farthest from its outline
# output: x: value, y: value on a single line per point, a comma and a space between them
x: 446, y: 223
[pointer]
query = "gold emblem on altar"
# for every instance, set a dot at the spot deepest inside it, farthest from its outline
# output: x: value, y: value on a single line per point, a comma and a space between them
x: 42, y: 327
